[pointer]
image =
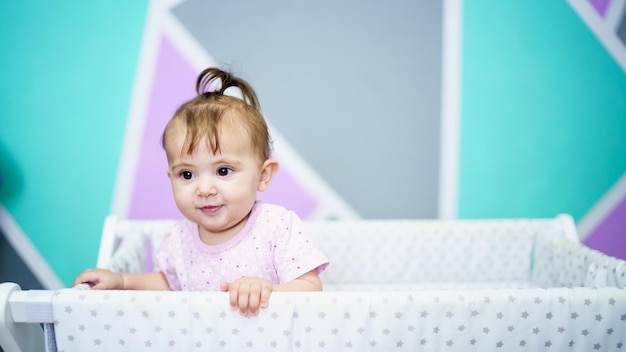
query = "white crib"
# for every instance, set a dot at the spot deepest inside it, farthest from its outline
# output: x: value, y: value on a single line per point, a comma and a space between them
x: 427, y: 285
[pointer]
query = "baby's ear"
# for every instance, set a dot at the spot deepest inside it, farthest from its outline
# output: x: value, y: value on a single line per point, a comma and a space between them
x: 268, y: 170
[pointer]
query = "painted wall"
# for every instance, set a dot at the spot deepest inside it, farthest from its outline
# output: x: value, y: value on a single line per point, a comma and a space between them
x: 350, y: 99
x: 544, y: 112
x: 353, y: 86
x: 543, y: 116
x: 66, y: 75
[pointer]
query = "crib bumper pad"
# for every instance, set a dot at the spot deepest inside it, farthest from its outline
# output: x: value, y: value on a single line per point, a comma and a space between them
x: 433, y: 286
x: 555, y: 319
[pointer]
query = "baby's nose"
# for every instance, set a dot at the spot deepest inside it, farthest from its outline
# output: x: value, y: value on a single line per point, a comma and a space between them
x: 206, y: 187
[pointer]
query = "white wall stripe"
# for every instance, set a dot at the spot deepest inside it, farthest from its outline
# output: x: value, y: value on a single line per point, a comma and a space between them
x: 450, y: 108
x: 29, y: 254
x: 131, y: 147
x: 602, y: 208
x: 604, y: 28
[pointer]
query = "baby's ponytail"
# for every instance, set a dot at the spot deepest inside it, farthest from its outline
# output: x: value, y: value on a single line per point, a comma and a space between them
x: 201, y: 116
x: 213, y: 81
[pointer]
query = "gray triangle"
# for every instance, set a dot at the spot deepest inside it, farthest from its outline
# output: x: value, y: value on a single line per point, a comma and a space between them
x: 354, y: 86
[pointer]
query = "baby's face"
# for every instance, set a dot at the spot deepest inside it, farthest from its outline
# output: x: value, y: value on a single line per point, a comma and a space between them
x: 216, y: 191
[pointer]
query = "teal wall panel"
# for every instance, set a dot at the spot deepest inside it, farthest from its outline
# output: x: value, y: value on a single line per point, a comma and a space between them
x: 67, y: 70
x: 543, y: 112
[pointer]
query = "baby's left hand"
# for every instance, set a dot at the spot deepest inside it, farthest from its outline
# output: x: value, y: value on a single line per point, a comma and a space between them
x: 248, y: 294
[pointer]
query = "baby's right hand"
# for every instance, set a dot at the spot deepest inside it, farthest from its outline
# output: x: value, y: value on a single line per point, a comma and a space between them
x: 100, y: 279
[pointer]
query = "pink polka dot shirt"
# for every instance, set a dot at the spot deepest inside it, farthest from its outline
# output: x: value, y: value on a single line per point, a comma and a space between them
x: 272, y: 245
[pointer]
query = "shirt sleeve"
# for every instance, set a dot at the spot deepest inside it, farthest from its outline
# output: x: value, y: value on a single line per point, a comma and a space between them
x: 164, y: 260
x: 295, y: 252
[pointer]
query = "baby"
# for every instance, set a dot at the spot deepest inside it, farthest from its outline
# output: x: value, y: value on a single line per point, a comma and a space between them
x: 218, y: 152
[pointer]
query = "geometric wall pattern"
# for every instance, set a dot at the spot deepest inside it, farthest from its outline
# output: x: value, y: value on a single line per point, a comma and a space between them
x: 607, y: 20
x: 179, y: 42
x: 174, y: 50
x: 604, y: 226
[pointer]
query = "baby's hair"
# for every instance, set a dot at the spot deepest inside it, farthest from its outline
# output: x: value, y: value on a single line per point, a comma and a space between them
x: 202, y: 115
x: 207, y: 83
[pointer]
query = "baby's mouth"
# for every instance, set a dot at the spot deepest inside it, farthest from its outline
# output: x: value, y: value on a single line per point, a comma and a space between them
x: 211, y: 209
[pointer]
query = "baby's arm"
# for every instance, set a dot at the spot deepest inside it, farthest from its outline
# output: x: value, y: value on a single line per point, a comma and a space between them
x: 251, y: 293
x: 101, y: 279
x: 307, y: 282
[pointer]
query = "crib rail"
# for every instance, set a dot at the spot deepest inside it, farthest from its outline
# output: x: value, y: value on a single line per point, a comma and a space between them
x: 18, y: 310
x: 31, y: 306
x: 554, y: 319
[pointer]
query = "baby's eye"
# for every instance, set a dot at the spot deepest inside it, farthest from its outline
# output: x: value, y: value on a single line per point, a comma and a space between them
x: 187, y: 175
x: 224, y: 171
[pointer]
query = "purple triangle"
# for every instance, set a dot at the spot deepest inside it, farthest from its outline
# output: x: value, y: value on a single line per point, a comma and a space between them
x: 609, y: 236
x: 600, y: 6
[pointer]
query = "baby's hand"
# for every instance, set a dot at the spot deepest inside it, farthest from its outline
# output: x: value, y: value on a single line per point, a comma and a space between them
x: 100, y: 279
x: 248, y: 294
